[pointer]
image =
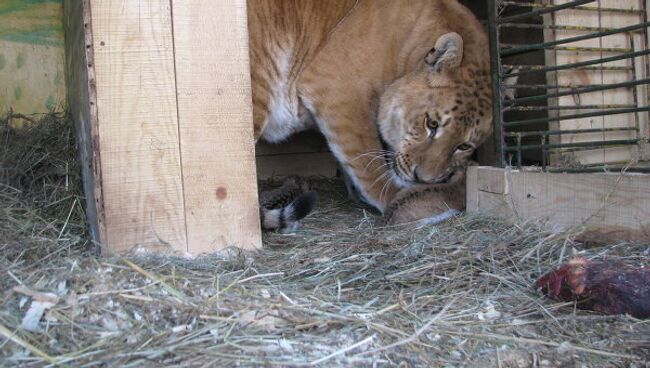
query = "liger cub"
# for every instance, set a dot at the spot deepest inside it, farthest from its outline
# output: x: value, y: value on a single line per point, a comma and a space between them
x: 399, y: 88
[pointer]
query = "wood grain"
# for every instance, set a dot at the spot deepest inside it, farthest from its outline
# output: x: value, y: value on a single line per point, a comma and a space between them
x: 215, y: 124
x: 566, y: 200
x: 82, y: 104
x: 138, y: 125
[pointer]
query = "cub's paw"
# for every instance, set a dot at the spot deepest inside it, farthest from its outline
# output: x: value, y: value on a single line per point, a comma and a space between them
x: 428, y: 204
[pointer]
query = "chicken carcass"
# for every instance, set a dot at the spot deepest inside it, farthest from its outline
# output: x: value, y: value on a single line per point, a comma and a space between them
x: 607, y: 287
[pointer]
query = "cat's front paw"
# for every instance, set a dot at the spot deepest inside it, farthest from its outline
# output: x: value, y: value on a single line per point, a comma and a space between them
x: 429, y: 204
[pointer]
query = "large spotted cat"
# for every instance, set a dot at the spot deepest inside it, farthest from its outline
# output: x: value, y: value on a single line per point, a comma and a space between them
x: 399, y: 88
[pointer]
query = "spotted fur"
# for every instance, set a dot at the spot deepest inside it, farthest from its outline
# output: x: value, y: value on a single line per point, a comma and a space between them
x: 367, y: 71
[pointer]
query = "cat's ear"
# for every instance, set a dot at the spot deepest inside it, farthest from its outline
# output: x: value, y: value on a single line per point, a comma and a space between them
x: 447, y: 54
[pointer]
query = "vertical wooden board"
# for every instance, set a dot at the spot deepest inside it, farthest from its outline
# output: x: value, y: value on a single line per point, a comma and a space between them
x: 216, y: 129
x: 138, y: 125
x: 471, y: 194
x: 487, y: 190
x: 78, y: 55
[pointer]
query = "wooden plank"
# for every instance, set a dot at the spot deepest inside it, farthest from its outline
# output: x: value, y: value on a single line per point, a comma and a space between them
x: 304, y: 164
x: 566, y: 200
x: 138, y: 125
x: 492, y: 180
x: 486, y: 190
x: 82, y: 105
x: 216, y: 129
x: 472, y: 191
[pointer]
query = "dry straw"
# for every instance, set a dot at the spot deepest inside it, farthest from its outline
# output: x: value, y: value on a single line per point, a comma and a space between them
x: 341, y: 291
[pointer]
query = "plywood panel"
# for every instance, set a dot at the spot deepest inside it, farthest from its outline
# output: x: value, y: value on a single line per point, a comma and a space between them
x: 138, y: 124
x: 32, y: 77
x: 216, y: 130
x: 566, y: 200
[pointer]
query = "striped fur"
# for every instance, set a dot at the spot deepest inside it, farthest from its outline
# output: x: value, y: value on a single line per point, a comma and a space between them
x: 282, y: 208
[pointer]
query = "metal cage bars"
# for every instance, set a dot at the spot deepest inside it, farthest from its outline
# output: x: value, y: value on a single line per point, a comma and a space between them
x: 508, y: 143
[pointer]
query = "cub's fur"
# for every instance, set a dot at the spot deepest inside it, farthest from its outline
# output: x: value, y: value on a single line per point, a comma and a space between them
x: 431, y: 204
x: 281, y: 208
x: 400, y: 88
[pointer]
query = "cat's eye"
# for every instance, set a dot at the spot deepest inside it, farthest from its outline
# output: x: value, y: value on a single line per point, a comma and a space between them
x: 431, y: 125
x: 464, y: 147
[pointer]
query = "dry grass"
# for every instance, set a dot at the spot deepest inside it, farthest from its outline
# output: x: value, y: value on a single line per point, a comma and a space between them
x: 339, y: 292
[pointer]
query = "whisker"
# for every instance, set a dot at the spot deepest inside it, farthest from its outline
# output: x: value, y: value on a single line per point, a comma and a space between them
x: 371, y: 161
x: 380, y: 177
x: 374, y: 154
x: 385, y: 165
x: 384, y: 189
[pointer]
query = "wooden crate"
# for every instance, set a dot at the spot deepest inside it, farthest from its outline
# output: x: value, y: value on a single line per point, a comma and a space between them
x: 584, y: 22
x: 160, y: 92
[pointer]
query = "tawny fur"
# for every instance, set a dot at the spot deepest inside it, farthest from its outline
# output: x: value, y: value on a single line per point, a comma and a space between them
x: 361, y: 69
x: 432, y: 203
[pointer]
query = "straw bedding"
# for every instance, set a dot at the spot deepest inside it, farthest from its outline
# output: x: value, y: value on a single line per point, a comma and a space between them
x: 341, y: 291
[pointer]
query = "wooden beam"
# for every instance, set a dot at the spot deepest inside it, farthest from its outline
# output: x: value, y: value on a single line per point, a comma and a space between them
x: 216, y: 129
x: 141, y: 181
x: 164, y: 123
x: 619, y: 201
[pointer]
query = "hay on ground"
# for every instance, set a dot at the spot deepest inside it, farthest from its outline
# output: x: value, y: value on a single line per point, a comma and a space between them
x: 341, y: 291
